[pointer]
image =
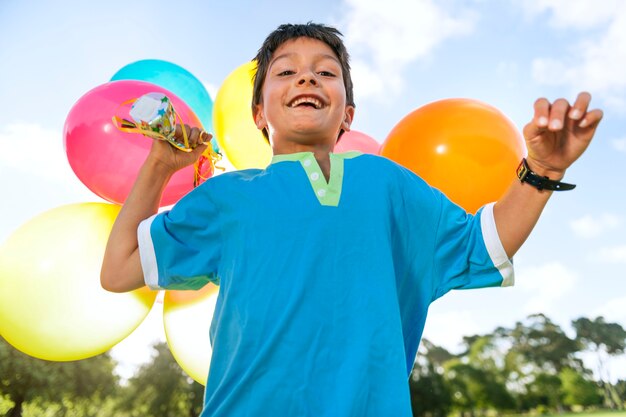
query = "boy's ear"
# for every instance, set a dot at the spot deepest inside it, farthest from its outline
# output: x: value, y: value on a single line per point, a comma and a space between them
x: 259, y: 118
x: 348, y: 117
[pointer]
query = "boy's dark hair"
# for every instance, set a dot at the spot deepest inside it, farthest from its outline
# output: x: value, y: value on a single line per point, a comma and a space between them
x: 327, y: 34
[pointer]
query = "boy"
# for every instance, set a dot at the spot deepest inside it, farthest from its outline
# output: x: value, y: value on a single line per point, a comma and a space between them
x: 327, y: 263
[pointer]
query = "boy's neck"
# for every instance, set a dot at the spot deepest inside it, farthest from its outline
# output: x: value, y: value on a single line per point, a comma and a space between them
x: 320, y: 151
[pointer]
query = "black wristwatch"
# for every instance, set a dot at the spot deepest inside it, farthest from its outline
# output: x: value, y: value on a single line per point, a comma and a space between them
x: 525, y: 174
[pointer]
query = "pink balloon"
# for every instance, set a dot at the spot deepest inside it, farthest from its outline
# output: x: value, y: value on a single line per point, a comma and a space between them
x: 357, y: 141
x: 106, y: 159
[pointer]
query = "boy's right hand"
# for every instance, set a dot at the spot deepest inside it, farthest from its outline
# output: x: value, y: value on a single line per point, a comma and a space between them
x: 171, y: 159
x: 121, y: 265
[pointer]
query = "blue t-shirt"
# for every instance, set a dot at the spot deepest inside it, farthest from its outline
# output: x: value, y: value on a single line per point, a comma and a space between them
x: 324, y: 285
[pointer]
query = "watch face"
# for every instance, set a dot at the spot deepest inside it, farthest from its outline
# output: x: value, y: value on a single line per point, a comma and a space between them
x: 522, y: 170
x: 541, y: 183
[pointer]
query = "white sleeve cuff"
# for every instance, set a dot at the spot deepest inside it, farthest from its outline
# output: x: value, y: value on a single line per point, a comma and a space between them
x: 147, y: 255
x: 494, y: 246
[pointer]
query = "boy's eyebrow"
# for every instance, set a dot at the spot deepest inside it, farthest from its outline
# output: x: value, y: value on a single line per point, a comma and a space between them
x: 290, y: 54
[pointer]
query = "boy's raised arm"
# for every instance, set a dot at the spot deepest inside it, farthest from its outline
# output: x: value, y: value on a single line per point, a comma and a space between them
x: 121, y: 266
x: 557, y: 136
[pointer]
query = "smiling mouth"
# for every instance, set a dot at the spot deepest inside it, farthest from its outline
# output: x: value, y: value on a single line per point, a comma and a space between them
x: 306, y: 101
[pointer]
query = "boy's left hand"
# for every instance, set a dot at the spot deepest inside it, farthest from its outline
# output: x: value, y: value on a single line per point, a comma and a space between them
x: 559, y: 133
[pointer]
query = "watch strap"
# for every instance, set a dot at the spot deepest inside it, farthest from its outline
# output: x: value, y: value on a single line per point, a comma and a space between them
x: 525, y: 174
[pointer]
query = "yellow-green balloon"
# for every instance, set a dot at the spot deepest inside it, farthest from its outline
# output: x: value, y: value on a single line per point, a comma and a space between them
x: 237, y: 135
x: 51, y: 303
x: 187, y: 319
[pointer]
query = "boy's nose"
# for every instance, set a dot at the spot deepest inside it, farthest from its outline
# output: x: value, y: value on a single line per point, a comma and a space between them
x: 307, y: 79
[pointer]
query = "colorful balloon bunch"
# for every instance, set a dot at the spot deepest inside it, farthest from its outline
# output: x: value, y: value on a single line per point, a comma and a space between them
x: 51, y: 303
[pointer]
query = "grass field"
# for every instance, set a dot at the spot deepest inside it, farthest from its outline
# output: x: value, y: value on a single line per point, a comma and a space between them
x: 602, y: 413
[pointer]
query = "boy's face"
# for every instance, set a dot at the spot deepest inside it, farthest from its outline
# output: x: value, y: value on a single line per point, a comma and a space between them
x: 304, y: 98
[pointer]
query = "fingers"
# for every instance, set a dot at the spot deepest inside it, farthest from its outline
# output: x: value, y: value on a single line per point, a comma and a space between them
x: 540, y: 120
x: 178, y: 131
x: 554, y: 116
x: 205, y: 137
x: 195, y: 136
x: 580, y: 112
x: 591, y: 119
x: 558, y: 111
x: 580, y: 106
x: 550, y: 116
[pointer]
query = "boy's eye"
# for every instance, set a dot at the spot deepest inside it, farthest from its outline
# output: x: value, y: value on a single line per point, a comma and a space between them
x: 286, y: 72
x: 326, y: 74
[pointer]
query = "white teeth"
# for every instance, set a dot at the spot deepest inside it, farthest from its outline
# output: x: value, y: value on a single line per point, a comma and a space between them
x: 311, y: 100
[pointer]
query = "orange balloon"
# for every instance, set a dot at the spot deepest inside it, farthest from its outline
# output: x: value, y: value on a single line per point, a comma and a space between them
x: 467, y: 149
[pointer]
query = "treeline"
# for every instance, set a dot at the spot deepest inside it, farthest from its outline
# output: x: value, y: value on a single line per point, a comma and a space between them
x: 533, y: 366
x: 31, y: 387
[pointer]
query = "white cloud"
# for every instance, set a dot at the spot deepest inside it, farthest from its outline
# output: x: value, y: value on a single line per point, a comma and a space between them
x: 613, y: 255
x: 592, y: 226
x: 613, y: 310
x: 384, y: 37
x: 619, y: 144
x: 545, y: 284
x: 31, y: 149
x: 367, y: 81
x: 595, y: 63
x: 581, y: 14
x: 447, y: 328
x: 616, y: 103
x: 35, y: 174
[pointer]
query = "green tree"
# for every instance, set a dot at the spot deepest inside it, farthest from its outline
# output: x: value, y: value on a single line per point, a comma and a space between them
x: 467, y: 385
x: 487, y: 353
x: 25, y: 379
x: 476, y: 388
x: 435, y: 355
x: 545, y: 390
x: 161, y: 389
x: 603, y: 340
x: 620, y: 389
x: 578, y: 390
x: 538, y: 350
x: 543, y: 345
x: 430, y: 394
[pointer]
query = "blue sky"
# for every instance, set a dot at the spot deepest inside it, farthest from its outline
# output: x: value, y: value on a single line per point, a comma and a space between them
x: 404, y: 55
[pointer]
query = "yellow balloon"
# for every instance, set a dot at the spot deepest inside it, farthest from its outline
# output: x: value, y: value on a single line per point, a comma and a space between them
x: 187, y: 319
x: 51, y: 303
x: 237, y: 135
